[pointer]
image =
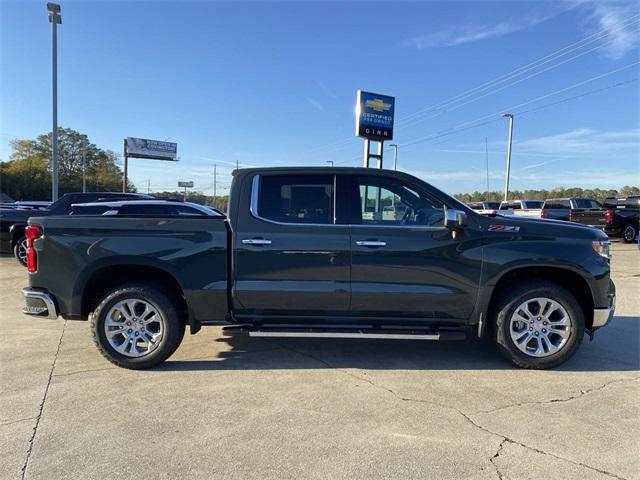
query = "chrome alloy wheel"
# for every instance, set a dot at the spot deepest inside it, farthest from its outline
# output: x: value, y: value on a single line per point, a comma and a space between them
x: 540, y: 327
x: 134, y: 327
x: 21, y: 251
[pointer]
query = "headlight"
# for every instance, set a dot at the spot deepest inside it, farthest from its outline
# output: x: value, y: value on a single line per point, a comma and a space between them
x: 602, y: 248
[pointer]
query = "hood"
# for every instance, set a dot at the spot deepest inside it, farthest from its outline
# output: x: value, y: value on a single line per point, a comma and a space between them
x: 543, y: 227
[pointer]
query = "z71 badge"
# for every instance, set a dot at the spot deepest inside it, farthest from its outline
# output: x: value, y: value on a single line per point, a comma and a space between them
x: 503, y: 228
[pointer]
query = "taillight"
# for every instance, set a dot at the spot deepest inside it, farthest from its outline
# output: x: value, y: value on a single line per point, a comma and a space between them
x: 31, y: 233
x: 543, y: 213
x: 608, y: 216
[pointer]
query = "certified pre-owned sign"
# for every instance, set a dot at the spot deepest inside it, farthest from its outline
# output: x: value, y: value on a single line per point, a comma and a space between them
x: 374, y: 116
x: 145, y: 148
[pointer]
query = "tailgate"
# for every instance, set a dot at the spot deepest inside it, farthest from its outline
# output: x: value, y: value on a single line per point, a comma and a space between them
x: 591, y: 217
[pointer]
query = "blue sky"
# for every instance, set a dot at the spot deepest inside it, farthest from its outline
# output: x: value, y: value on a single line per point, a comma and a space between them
x: 274, y: 84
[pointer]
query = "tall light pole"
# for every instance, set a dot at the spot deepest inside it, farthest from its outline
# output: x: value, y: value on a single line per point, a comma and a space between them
x: 55, y: 19
x: 215, y: 183
x: 506, y: 181
x: 84, y: 168
x: 331, y: 162
x: 395, y: 155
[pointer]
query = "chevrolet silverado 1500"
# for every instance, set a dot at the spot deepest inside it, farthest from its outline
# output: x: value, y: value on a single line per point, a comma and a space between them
x: 313, y: 252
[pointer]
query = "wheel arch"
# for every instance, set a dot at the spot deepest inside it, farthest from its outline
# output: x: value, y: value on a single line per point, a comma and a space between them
x: 572, y: 281
x: 105, y: 278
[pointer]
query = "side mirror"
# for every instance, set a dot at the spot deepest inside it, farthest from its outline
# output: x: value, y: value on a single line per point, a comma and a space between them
x: 455, y: 218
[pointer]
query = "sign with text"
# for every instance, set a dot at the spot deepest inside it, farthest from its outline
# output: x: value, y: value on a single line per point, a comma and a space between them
x: 185, y: 184
x: 152, y: 149
x: 374, y: 116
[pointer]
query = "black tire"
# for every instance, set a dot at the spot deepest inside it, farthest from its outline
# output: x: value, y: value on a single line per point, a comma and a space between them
x: 520, y: 293
x: 173, y: 325
x: 629, y: 233
x: 20, y: 243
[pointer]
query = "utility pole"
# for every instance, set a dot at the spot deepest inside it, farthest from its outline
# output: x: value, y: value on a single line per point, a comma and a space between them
x: 331, y: 162
x: 506, y: 181
x: 237, y: 164
x: 84, y: 168
x: 395, y: 155
x: 486, y: 155
x: 148, y: 186
x: 55, y: 19
x: 215, y: 183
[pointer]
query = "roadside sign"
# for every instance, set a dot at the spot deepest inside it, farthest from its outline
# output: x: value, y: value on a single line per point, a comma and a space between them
x: 151, y: 149
x: 186, y: 184
x: 374, y: 116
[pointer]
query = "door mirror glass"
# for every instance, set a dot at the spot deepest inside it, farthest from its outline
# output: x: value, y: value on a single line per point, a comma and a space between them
x: 455, y: 218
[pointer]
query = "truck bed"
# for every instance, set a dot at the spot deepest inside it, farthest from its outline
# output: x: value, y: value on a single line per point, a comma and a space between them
x: 74, y: 250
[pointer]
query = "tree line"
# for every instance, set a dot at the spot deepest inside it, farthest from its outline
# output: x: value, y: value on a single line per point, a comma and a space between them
x: 27, y: 173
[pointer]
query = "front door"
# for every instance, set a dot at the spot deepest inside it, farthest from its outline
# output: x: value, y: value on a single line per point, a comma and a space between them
x: 405, y: 263
x: 292, y: 259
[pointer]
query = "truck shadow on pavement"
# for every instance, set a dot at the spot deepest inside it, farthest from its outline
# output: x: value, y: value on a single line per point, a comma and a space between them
x: 615, y: 348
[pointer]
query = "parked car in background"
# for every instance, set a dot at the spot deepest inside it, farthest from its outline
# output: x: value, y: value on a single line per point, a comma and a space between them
x: 144, y: 208
x: 521, y: 208
x: 618, y: 217
x: 565, y: 208
x: 305, y: 252
x: 485, y: 208
x: 14, y: 220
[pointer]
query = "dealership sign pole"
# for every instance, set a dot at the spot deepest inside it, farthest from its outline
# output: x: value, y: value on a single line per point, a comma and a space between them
x: 185, y: 185
x: 149, y: 149
x: 374, y: 123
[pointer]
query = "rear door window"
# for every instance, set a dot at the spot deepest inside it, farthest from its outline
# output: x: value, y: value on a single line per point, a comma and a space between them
x: 297, y: 198
x: 148, y: 210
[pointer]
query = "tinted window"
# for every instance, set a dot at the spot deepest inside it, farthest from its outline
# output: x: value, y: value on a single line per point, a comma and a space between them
x: 90, y: 210
x: 185, y: 211
x: 385, y: 201
x: 610, y: 202
x: 632, y: 202
x: 297, y: 198
x: 534, y: 204
x: 492, y: 205
x: 586, y: 203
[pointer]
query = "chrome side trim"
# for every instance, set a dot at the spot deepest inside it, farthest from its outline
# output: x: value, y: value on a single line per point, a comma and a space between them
x: 601, y: 316
x: 390, y: 336
x: 52, y: 311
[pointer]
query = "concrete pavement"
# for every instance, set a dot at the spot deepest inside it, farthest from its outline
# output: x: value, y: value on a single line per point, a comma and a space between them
x: 294, y: 408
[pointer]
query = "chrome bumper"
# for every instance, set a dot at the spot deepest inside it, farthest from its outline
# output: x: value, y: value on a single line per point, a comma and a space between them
x: 601, y: 316
x: 39, y: 304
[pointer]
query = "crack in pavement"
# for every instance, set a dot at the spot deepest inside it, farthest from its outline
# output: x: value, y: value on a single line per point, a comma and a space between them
x: 505, y: 439
x: 11, y: 422
x: 44, y: 399
x: 558, y: 400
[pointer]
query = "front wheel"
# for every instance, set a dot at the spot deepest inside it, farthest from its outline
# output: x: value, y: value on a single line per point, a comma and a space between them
x: 629, y: 233
x: 20, y: 251
x: 539, y: 325
x: 137, y: 326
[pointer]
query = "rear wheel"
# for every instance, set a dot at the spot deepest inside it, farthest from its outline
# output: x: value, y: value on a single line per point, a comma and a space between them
x: 20, y: 251
x: 629, y: 233
x: 137, y: 326
x: 539, y: 325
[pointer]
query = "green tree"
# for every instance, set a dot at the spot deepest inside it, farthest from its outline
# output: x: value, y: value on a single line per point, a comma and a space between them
x: 27, y: 174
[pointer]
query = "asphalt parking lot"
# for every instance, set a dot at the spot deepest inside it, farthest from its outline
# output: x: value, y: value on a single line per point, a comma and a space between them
x: 294, y: 408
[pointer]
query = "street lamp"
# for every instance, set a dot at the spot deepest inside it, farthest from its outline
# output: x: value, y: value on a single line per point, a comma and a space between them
x: 395, y: 155
x: 55, y: 19
x: 506, y: 181
x: 331, y: 162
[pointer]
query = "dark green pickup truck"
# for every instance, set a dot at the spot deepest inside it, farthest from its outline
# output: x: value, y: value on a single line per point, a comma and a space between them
x: 324, y: 252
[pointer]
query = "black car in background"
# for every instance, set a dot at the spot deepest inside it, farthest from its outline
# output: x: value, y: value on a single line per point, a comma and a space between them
x: 163, y: 208
x: 565, y: 208
x: 621, y: 215
x: 14, y: 220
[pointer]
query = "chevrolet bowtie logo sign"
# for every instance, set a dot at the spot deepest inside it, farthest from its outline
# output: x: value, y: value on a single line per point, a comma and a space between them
x: 374, y: 116
x: 378, y: 105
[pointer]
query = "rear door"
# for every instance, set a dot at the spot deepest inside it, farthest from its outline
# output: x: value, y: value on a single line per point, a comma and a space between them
x: 291, y: 257
x: 408, y: 266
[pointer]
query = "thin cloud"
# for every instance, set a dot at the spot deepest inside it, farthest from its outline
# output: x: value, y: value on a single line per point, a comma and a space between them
x: 586, y: 142
x: 473, y: 33
x: 316, y: 104
x: 613, y: 18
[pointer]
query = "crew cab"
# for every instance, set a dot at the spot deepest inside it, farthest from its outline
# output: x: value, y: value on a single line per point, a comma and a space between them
x: 14, y: 220
x: 581, y: 210
x: 312, y: 252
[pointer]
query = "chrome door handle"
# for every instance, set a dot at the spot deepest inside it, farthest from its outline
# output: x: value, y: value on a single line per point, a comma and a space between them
x: 371, y: 243
x: 256, y: 241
